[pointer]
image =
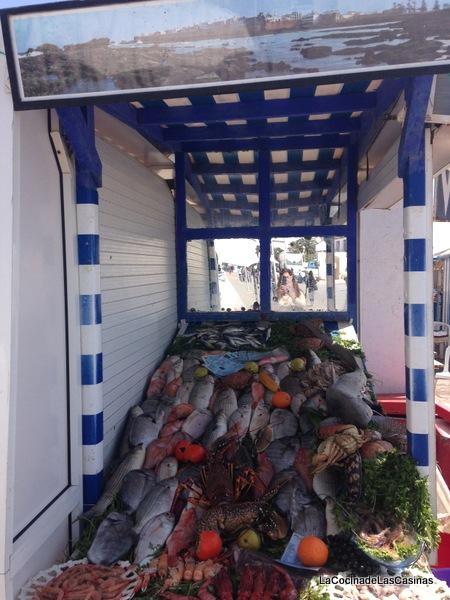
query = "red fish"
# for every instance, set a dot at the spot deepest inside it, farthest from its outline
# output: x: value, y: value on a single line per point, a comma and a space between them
x: 171, y: 388
x: 302, y: 464
x: 181, y: 411
x: 171, y: 428
x: 258, y: 391
x: 182, y: 536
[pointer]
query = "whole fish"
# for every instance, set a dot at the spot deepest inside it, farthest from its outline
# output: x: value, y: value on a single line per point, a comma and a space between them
x: 292, y: 384
x: 159, y: 499
x: 133, y: 460
x: 176, y: 370
x: 144, y: 429
x: 167, y: 469
x: 182, y: 536
x: 276, y: 356
x: 216, y: 429
x: 245, y: 400
x: 308, y: 519
x: 189, y: 363
x: 134, y: 412
x: 181, y: 411
x: 268, y: 398
x: 171, y: 428
x: 188, y: 375
x: 171, y: 389
x: 135, y: 486
x: 201, y: 392
x: 197, y: 422
x: 293, y: 494
x: 283, y: 423
x: 282, y: 453
x: 296, y: 403
x: 239, y: 421
x: 160, y: 448
x: 184, y: 391
x: 345, y: 399
x: 283, y: 370
x: 260, y: 418
x: 225, y: 402
x: 113, y: 540
x: 258, y: 392
x: 159, y: 378
x: 303, y: 465
x: 153, y: 536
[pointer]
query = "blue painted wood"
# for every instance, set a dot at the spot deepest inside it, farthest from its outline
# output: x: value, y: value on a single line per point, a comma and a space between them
x: 287, y: 167
x: 252, y: 232
x: 305, y: 186
x: 257, y: 129
x: 180, y: 228
x: 79, y: 134
x: 288, y: 143
x: 417, y: 99
x: 345, y: 103
x: 264, y: 163
x: 313, y: 201
x: 352, y: 235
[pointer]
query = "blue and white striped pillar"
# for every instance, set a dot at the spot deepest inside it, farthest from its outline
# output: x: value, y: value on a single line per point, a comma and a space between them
x: 330, y: 274
x: 213, y: 276
x: 91, y: 340
x: 418, y: 293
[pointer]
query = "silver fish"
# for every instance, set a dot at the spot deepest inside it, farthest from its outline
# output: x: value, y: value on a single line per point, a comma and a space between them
x: 216, y: 429
x: 159, y: 499
x: 144, y: 429
x: 283, y: 423
x: 113, y: 540
x: 167, y: 468
x: 308, y: 519
x: 260, y: 418
x: 184, y: 391
x: 189, y: 363
x: 297, y: 402
x: 244, y: 400
x: 134, y: 412
x: 189, y: 375
x: 135, y: 485
x: 226, y: 402
x: 282, y: 453
x: 196, y: 423
x: 176, y: 370
x: 293, y: 494
x: 133, y: 460
x: 240, y: 420
x: 315, y: 360
x: 202, y: 392
x: 153, y: 536
x: 283, y: 370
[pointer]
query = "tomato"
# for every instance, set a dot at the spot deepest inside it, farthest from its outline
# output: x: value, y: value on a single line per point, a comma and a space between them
x: 181, y: 450
x: 195, y: 453
x: 209, y: 545
x: 281, y: 399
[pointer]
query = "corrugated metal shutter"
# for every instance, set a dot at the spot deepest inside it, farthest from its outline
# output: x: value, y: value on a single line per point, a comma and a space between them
x: 138, y: 281
x: 198, y: 270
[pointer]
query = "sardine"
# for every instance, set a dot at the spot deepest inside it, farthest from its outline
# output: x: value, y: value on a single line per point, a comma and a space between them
x: 197, y: 422
x: 239, y: 421
x: 259, y: 420
x: 167, y: 469
x: 134, y: 412
x: 135, y: 486
x: 283, y: 423
x: 216, y: 429
x: 202, y: 392
x: 133, y: 460
x: 113, y: 540
x: 144, y: 429
x: 159, y: 499
x: 153, y: 536
x: 225, y: 402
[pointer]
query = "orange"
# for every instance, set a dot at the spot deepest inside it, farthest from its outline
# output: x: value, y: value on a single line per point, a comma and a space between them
x: 312, y: 552
x: 209, y: 545
x: 281, y: 399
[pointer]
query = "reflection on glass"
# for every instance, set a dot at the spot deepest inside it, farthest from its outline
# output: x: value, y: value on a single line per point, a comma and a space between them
x: 309, y: 274
x: 223, y: 275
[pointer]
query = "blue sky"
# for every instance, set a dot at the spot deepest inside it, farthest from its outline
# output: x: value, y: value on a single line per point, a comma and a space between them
x: 78, y: 27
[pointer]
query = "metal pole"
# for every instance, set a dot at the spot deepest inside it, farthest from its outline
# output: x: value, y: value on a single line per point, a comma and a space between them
x: 330, y: 275
x: 418, y: 292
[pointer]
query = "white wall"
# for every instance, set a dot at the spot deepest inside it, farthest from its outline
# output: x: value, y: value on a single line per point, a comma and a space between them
x: 138, y: 281
x: 381, y: 296
x: 198, y: 275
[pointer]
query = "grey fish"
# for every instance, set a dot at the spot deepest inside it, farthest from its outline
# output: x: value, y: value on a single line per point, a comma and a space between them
x: 153, y: 536
x: 283, y: 423
x: 283, y: 370
x: 226, y: 402
x: 268, y: 398
x: 184, y: 391
x: 216, y: 429
x: 196, y: 423
x: 345, y: 399
x: 189, y: 363
x: 245, y: 400
x: 144, y: 429
x: 189, y: 375
x: 315, y: 360
x: 159, y: 499
x: 260, y: 418
x: 113, y: 540
x: 133, y: 460
x: 134, y: 412
x: 176, y: 370
x: 308, y: 519
x: 293, y: 494
x: 240, y: 420
x: 167, y: 468
x: 296, y: 403
x: 292, y: 384
x: 202, y: 392
x: 135, y: 485
x: 282, y: 453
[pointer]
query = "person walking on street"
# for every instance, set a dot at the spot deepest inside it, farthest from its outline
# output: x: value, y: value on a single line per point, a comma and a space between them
x: 311, y: 287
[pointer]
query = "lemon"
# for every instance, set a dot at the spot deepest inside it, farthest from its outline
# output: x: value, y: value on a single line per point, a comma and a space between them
x: 251, y: 367
x: 200, y: 372
x: 298, y: 364
x: 250, y: 540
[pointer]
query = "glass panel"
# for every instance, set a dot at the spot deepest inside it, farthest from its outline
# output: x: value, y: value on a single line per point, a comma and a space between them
x: 224, y: 190
x: 338, y: 208
x: 223, y: 275
x: 309, y: 274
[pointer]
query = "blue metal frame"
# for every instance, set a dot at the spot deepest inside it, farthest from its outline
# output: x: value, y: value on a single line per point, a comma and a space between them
x: 352, y: 235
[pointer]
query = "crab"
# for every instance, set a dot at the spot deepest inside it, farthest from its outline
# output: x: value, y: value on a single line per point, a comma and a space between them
x: 337, y: 447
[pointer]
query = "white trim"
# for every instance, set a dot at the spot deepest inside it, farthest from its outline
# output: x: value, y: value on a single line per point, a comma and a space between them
x: 415, y: 288
x: 92, y: 399
x: 91, y: 339
x: 415, y: 351
x: 417, y: 416
x: 89, y: 277
x: 87, y: 217
x: 413, y: 222
x: 93, y: 459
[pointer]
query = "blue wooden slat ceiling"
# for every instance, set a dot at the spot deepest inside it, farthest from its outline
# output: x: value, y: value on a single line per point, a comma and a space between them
x: 307, y: 130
